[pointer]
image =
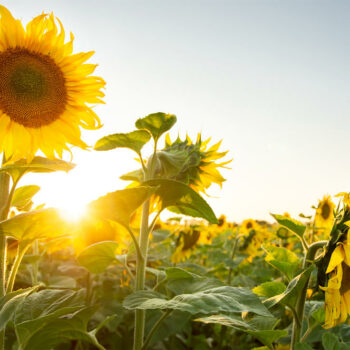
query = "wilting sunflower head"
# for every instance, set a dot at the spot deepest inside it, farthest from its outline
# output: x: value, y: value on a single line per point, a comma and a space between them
x: 325, y: 213
x: 193, y: 163
x: 45, y: 90
x: 337, y: 291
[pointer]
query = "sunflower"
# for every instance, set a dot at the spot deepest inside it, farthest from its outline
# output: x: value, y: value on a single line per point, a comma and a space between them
x: 44, y: 89
x: 197, y: 164
x: 324, y: 213
x: 188, y: 240
x: 337, y: 291
x: 248, y: 225
x: 346, y: 197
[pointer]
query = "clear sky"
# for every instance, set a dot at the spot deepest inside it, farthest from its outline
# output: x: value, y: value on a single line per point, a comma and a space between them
x: 270, y: 78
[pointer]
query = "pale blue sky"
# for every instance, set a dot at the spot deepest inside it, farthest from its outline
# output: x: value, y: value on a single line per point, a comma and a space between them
x: 270, y: 78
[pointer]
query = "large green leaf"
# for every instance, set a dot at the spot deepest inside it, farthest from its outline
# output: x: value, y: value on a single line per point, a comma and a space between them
x: 303, y: 346
x: 40, y: 309
x: 294, y: 225
x: 331, y: 342
x: 120, y: 205
x: 220, y: 299
x: 35, y: 224
x: 134, y: 140
x: 283, y: 260
x: 22, y: 198
x: 156, y: 123
x: 182, y: 199
x: 61, y: 330
x: 97, y: 257
x: 37, y: 165
x: 10, y: 302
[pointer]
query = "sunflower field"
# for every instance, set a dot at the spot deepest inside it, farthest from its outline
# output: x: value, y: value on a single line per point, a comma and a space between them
x: 126, y: 276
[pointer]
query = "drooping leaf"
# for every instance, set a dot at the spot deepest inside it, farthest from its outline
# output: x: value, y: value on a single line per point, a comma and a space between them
x: 269, y: 289
x: 283, y: 260
x: 156, y: 123
x: 37, y: 165
x: 220, y: 299
x: 181, y: 198
x: 97, y: 257
x: 134, y: 140
x: 23, y: 196
x: 120, y: 205
x: 34, y: 225
x: 294, y: 225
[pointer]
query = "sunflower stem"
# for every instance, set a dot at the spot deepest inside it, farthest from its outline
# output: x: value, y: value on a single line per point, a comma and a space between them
x: 140, y: 315
x: 13, y: 273
x: 233, y: 254
x: 4, y: 209
x: 300, y: 304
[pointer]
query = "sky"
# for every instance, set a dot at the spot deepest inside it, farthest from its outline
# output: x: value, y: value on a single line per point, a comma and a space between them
x: 268, y: 77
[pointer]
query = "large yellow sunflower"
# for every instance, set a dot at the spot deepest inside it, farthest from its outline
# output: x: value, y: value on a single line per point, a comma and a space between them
x: 44, y: 89
x: 324, y: 214
x: 337, y: 291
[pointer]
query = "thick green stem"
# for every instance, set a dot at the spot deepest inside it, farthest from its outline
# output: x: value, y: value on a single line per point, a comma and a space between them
x: 4, y: 208
x: 297, y: 326
x: 140, y: 276
x: 12, y: 277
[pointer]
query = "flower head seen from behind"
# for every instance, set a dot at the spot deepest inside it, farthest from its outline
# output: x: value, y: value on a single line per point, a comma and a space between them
x: 194, y: 163
x: 45, y: 90
x: 324, y: 213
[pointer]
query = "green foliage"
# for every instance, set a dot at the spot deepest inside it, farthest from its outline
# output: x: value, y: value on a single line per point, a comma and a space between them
x: 294, y: 225
x: 97, y: 257
x: 156, y: 123
x: 283, y: 260
x: 22, y: 198
x: 269, y: 289
x: 224, y: 299
x: 120, y: 205
x: 182, y: 199
x: 35, y: 224
x: 37, y: 165
x: 134, y: 140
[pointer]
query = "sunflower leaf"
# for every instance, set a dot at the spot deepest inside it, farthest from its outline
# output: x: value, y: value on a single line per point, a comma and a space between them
x: 219, y: 299
x: 23, y: 196
x: 156, y: 123
x: 35, y: 224
x: 97, y: 257
x: 182, y: 199
x: 120, y: 205
x: 293, y: 225
x: 134, y: 140
x: 37, y: 165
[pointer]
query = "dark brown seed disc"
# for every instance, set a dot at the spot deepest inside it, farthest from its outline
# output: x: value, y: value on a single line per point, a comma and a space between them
x: 32, y: 87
